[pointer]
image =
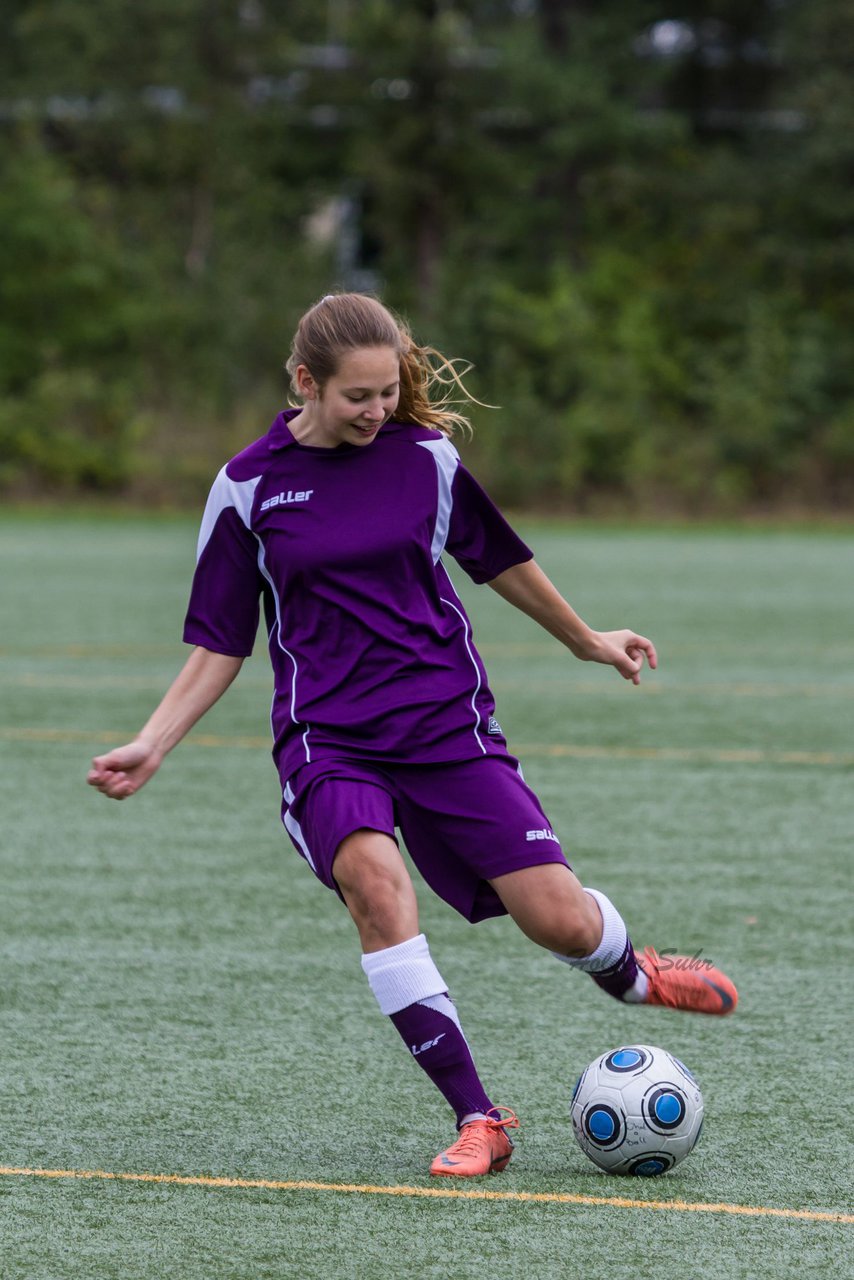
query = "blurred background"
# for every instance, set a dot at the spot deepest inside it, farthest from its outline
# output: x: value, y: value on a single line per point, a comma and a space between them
x: 633, y: 217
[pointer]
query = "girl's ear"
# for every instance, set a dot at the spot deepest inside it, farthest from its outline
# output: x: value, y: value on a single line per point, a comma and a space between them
x: 306, y: 385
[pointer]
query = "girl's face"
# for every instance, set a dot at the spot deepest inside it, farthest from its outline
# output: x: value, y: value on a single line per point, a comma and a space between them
x: 355, y: 401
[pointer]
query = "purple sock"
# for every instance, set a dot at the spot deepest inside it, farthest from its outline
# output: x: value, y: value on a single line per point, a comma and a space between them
x: 437, y: 1044
x: 621, y: 977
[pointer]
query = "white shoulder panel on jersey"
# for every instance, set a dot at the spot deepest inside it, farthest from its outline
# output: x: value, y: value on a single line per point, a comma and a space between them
x: 224, y: 493
x: 447, y: 460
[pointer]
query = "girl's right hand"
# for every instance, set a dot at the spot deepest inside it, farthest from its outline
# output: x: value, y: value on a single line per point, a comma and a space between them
x: 121, y: 772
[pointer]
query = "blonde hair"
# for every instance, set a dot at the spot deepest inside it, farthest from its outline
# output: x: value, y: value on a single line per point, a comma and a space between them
x: 431, y: 385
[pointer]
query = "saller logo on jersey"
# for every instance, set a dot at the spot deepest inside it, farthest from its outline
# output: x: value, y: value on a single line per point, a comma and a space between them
x: 284, y: 499
x: 544, y: 833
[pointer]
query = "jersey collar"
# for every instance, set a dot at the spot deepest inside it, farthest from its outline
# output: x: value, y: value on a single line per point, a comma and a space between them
x: 279, y: 435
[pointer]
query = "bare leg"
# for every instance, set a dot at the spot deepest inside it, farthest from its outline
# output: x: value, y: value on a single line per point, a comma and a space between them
x: 373, y: 878
x: 549, y: 905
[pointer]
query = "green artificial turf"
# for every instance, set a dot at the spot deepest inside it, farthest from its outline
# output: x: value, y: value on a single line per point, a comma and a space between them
x: 179, y: 996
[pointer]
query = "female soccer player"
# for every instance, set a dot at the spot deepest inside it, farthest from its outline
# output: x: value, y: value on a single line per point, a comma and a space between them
x: 338, y: 519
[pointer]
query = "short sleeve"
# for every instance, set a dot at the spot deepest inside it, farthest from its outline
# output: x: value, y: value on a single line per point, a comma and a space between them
x: 479, y: 538
x: 224, y: 606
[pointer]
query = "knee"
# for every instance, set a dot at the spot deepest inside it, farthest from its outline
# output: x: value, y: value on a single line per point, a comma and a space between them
x: 549, y: 905
x: 570, y: 928
x: 581, y: 929
x: 374, y: 892
x: 375, y: 885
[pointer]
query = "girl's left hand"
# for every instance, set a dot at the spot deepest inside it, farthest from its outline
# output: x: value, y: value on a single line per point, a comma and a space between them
x: 624, y: 650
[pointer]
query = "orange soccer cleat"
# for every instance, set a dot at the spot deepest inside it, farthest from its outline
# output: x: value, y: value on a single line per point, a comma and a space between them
x: 686, y: 982
x: 482, y: 1147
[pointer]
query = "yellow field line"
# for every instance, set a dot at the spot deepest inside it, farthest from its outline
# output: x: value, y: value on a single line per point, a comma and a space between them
x: 91, y: 651
x: 570, y: 688
x: 653, y: 687
x: 690, y: 755
x: 567, y: 750
x: 175, y: 650
x: 508, y: 649
x: 433, y: 1193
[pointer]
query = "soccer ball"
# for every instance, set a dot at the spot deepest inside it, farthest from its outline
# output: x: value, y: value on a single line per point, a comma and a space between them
x: 637, y: 1110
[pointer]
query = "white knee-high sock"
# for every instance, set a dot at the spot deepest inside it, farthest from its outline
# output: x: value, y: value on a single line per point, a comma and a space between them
x: 612, y: 964
x: 400, y: 975
x: 411, y: 991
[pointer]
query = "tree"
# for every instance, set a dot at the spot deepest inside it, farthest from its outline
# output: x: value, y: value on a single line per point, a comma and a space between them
x: 636, y: 225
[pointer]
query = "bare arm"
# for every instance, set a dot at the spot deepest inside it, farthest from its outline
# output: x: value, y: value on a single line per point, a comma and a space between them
x: 203, y: 679
x: 528, y: 588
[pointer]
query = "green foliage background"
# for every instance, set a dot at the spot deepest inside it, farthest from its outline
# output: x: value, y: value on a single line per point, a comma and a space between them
x: 636, y: 224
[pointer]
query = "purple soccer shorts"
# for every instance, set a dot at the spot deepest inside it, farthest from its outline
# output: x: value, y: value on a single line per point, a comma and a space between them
x: 463, y: 823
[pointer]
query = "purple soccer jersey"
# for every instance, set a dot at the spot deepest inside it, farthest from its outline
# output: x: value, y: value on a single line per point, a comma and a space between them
x: 371, y: 648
